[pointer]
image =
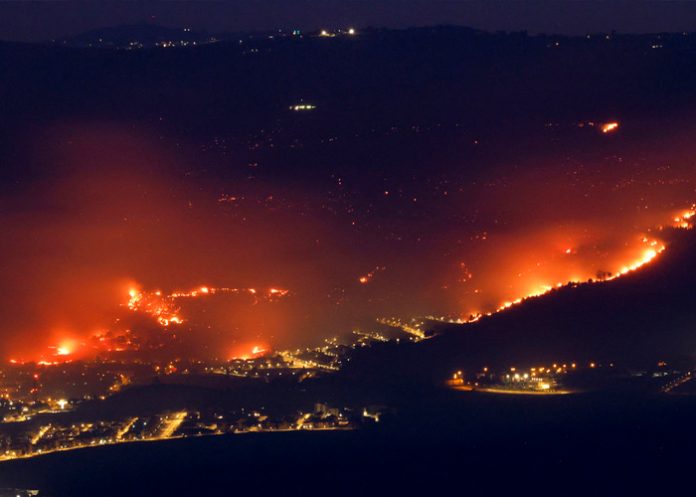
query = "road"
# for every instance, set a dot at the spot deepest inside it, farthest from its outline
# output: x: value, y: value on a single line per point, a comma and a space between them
x: 172, y: 424
x: 678, y: 382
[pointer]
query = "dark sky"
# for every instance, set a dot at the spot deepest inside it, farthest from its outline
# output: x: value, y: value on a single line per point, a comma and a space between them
x: 37, y: 21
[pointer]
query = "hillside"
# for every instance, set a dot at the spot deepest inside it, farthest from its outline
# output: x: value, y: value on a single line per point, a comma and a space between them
x: 635, y: 320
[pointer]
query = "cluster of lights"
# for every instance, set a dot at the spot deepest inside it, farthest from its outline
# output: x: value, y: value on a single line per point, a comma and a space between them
x: 540, y: 379
x: 413, y: 328
x: 302, y: 107
x: 325, y: 33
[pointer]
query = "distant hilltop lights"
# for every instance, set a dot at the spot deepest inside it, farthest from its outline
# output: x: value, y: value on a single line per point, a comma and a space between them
x: 325, y: 33
x: 302, y: 107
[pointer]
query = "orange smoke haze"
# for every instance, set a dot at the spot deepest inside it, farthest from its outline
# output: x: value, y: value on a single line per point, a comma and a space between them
x: 118, y: 214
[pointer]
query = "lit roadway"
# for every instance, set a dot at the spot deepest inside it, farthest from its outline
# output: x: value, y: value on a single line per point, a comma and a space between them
x: 12, y: 456
x: 678, y: 382
x: 126, y: 428
x: 172, y: 424
x: 510, y: 391
x: 35, y: 439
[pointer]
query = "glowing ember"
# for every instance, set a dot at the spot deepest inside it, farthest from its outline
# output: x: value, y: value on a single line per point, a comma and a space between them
x: 278, y: 292
x: 609, y: 127
x: 683, y: 220
x: 363, y: 280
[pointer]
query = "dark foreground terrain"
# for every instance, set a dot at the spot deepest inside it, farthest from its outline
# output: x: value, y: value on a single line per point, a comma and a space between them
x: 450, y: 444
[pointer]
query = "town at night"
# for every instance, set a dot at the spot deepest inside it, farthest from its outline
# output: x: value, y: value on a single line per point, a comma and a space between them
x: 367, y: 247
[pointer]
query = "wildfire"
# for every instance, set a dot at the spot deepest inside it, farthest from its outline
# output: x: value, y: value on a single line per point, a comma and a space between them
x: 162, y: 308
x: 683, y: 219
x: 256, y: 350
x: 278, y: 292
x: 246, y: 352
x: 609, y: 127
x: 653, y: 248
x: 166, y: 311
x: 569, y: 256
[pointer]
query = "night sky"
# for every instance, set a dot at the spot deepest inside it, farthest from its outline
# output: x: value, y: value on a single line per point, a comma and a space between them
x: 39, y: 21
